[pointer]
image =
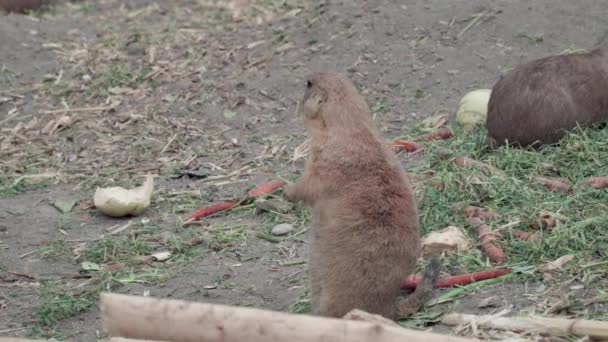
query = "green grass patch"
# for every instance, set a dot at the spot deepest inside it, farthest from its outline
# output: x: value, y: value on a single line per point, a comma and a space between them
x: 517, y: 199
x: 56, y: 303
x: 116, y: 76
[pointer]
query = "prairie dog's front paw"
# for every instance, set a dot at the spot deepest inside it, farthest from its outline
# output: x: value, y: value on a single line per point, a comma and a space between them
x: 289, y: 192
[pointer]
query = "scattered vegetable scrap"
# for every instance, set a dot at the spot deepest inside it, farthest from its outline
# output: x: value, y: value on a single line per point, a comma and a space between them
x: 523, y: 235
x: 473, y: 108
x: 598, y: 182
x: 267, y: 187
x: 210, y: 209
x: 264, y: 188
x: 556, y: 264
x: 403, y: 145
x: 546, y: 220
x: 399, y: 145
x: 118, y: 201
x: 449, y: 239
x: 487, y: 238
x: 464, y: 162
x: 461, y: 279
x: 474, y: 211
x: 555, y: 184
x: 440, y: 134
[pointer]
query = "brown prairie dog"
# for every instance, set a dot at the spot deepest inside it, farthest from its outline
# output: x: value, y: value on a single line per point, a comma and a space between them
x: 365, y: 227
x: 537, y: 102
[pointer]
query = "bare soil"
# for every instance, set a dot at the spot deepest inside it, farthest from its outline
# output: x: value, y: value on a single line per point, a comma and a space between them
x: 98, y: 93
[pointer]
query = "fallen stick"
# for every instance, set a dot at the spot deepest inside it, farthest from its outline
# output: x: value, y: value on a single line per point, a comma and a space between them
x: 487, y: 238
x: 462, y: 279
x: 113, y: 339
x: 121, y: 339
x: 533, y: 324
x: 177, y: 321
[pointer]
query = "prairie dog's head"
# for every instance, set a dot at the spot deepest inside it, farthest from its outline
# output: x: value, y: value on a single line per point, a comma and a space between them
x: 332, y: 100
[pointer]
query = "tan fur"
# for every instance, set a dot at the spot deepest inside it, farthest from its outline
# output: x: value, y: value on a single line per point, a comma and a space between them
x: 537, y: 102
x: 365, y: 229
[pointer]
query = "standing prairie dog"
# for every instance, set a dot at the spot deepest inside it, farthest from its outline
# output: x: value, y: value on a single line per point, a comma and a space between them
x: 365, y: 227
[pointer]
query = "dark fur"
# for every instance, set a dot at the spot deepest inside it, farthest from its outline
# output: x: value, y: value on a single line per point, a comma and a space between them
x: 365, y: 230
x: 537, y: 102
x: 20, y: 6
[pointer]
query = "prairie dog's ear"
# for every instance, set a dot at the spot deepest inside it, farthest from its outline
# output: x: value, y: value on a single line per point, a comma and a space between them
x: 313, y: 100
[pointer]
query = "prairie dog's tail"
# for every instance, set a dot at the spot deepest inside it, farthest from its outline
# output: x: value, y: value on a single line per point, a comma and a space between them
x: 423, y: 291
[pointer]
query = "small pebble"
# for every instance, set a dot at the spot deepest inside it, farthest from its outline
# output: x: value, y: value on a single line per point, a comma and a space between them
x: 282, y: 229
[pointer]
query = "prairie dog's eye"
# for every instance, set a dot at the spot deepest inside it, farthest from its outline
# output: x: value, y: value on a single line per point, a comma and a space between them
x: 308, y: 84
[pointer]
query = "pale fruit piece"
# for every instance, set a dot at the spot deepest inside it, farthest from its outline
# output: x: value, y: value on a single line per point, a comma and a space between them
x: 118, y: 201
x: 473, y: 108
x: 449, y: 239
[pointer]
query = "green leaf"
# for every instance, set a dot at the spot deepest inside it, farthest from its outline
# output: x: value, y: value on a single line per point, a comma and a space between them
x: 229, y: 114
x: 90, y: 266
x: 64, y: 206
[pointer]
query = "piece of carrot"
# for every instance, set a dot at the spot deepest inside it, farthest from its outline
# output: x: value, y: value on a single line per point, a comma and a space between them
x: 266, y: 188
x: 487, y: 238
x: 404, y: 145
x: 210, y: 209
x: 556, y: 184
x: 523, y: 235
x: 464, y: 162
x: 462, y: 279
x: 600, y: 182
x: 472, y: 210
x: 442, y: 133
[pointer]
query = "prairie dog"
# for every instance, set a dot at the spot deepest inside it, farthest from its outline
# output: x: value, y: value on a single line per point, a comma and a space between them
x: 365, y: 228
x: 535, y: 103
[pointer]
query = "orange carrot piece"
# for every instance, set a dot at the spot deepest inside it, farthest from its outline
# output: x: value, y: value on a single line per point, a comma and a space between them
x: 462, y: 162
x: 523, y: 235
x: 210, y: 209
x: 487, y: 238
x: 406, y: 145
x: 462, y: 279
x: 556, y: 184
x: 472, y: 210
x: 442, y: 133
x: 266, y: 188
x: 598, y: 182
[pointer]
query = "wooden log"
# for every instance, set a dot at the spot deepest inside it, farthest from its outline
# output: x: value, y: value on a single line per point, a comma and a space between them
x: 122, y: 339
x: 113, y: 339
x: 534, y: 324
x: 181, y: 321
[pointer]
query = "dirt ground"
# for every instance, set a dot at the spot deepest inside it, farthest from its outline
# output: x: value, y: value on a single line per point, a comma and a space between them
x: 99, y: 93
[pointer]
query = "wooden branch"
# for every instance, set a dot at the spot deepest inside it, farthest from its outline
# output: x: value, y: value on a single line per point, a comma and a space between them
x: 534, y: 324
x: 113, y: 339
x: 177, y: 321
